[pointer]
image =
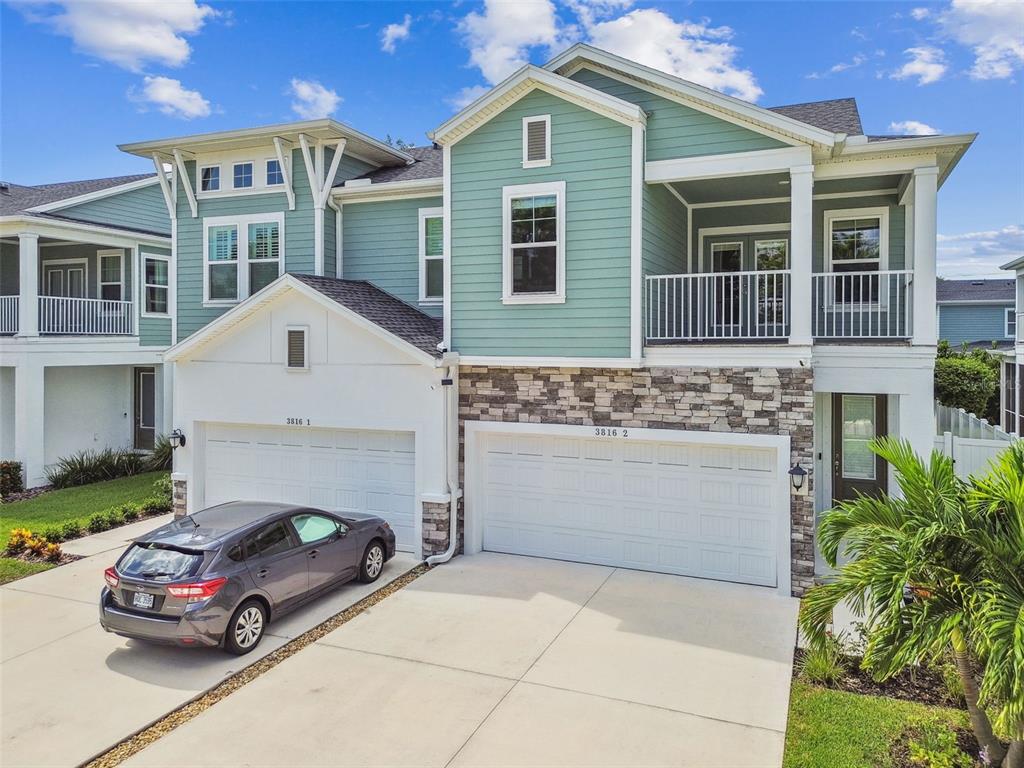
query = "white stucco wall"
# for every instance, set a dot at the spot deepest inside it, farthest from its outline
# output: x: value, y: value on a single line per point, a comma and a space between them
x: 7, y: 412
x: 86, y: 407
x: 356, y: 380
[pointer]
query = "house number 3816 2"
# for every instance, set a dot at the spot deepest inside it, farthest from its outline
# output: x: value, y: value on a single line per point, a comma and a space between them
x: 296, y: 421
x: 610, y: 432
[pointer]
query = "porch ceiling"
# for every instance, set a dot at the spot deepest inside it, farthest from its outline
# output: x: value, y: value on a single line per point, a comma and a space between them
x: 773, y: 185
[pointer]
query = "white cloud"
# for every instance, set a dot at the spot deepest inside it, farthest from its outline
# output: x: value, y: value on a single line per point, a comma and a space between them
x: 925, y: 62
x: 842, y: 66
x: 976, y: 254
x: 172, y: 98
x: 499, y: 39
x: 128, y: 33
x: 312, y: 99
x: 912, y: 128
x: 992, y: 29
x: 467, y: 96
x: 920, y: 13
x: 691, y: 50
x: 393, y: 33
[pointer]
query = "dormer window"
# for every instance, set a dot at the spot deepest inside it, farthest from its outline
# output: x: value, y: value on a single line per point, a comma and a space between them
x: 209, y: 178
x: 243, y: 175
x: 537, y: 141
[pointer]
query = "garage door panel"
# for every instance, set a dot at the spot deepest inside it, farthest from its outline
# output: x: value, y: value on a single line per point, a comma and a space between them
x: 342, y: 470
x: 690, y: 509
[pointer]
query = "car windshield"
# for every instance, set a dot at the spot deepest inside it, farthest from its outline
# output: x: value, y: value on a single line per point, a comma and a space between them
x: 153, y: 561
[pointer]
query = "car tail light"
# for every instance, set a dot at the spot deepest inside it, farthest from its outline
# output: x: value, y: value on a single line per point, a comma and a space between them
x: 197, y: 590
x: 111, y: 577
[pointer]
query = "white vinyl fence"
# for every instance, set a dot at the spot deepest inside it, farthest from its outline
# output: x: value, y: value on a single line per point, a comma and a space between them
x: 971, y: 442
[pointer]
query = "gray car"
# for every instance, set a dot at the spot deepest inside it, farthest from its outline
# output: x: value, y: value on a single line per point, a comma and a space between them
x: 219, y: 576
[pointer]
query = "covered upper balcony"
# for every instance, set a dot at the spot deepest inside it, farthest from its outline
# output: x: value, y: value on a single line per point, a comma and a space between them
x: 775, y: 248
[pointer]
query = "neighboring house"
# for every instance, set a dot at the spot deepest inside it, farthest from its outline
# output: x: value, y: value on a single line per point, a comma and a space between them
x: 610, y: 316
x: 84, y: 318
x: 1011, y: 397
x: 976, y: 312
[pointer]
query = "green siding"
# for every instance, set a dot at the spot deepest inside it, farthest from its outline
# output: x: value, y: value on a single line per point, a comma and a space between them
x: 89, y: 253
x: 664, y: 232
x: 973, y: 322
x: 9, y: 266
x: 141, y: 208
x: 153, y: 331
x: 381, y: 245
x: 674, y: 130
x: 330, y: 242
x: 592, y: 155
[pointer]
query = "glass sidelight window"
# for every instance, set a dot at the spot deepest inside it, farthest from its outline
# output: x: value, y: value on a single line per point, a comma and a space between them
x: 859, y: 429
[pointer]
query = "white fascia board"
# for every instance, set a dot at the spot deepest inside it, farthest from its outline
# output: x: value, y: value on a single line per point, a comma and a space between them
x: 749, y: 113
x: 390, y: 190
x: 978, y: 302
x: 71, y: 230
x: 728, y: 355
x: 525, y: 80
x: 915, y: 143
x: 1015, y: 264
x: 276, y: 289
x: 500, y: 361
x: 853, y: 167
x: 728, y: 165
x: 68, y: 202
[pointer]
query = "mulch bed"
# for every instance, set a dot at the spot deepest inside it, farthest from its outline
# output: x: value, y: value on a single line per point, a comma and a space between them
x: 28, y: 557
x: 31, y: 493
x: 900, y: 749
x: 921, y: 685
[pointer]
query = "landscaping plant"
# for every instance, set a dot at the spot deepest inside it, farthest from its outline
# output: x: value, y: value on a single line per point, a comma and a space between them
x: 937, y: 570
x: 968, y: 379
x: 935, y: 747
x: 10, y: 478
x: 824, y: 662
x: 94, y: 466
x: 162, y: 455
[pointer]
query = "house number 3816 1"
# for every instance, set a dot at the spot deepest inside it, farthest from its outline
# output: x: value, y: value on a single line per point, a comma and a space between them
x: 610, y: 432
x: 296, y: 421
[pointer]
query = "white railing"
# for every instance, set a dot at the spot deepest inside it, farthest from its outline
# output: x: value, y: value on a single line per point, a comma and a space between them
x: 60, y: 315
x: 861, y: 304
x: 719, y: 305
x: 8, y: 315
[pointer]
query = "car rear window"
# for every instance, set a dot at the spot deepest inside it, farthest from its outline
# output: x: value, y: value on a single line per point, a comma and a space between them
x: 154, y: 561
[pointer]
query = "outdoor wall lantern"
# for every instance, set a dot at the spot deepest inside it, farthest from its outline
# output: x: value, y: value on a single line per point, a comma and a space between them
x: 798, y: 476
x: 177, y: 439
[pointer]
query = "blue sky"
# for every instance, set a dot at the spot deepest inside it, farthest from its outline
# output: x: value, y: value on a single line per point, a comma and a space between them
x: 78, y: 78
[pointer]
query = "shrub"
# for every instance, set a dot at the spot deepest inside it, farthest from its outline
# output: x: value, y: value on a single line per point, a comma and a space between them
x: 965, y: 382
x: 37, y: 546
x: 18, y: 540
x: 53, y: 534
x: 87, y: 467
x: 10, y: 478
x: 156, y: 505
x: 164, y: 487
x: 824, y: 664
x: 114, y: 518
x: 71, y: 530
x: 934, y: 746
x: 130, y: 512
x: 162, y: 455
x: 52, y: 552
x: 97, y: 523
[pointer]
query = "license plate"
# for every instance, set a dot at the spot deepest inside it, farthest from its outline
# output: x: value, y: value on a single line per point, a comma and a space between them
x: 142, y: 600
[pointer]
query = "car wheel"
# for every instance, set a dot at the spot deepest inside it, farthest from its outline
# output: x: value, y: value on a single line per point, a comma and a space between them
x: 373, y: 562
x: 245, y: 630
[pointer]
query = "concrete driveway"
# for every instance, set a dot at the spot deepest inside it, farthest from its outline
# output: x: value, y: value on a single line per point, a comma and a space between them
x: 69, y: 690
x: 495, y: 660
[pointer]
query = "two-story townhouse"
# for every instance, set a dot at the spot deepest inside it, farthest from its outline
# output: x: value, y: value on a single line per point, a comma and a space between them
x: 979, y: 313
x: 85, y: 291
x: 1011, y: 384
x: 610, y: 316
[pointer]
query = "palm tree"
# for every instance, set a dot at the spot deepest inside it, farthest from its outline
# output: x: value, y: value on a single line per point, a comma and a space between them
x: 925, y: 583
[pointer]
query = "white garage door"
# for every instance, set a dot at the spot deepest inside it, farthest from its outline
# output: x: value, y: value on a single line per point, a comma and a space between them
x: 707, y: 510
x: 336, y: 469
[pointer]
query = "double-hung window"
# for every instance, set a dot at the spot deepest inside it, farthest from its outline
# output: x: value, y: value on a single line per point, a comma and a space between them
x: 431, y: 236
x: 1010, y: 322
x: 209, y: 178
x: 156, y: 281
x: 111, y: 275
x: 243, y: 254
x: 275, y: 175
x: 533, y: 243
x: 857, y: 248
x: 242, y: 175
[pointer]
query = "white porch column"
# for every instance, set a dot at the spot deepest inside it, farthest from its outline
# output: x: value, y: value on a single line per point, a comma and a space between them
x: 801, y: 186
x: 28, y: 284
x: 28, y: 421
x: 924, y: 222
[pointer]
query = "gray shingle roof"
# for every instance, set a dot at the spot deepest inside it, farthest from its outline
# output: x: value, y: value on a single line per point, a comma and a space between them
x: 839, y: 115
x: 428, y: 165
x: 975, y: 290
x: 17, y: 198
x: 383, y: 309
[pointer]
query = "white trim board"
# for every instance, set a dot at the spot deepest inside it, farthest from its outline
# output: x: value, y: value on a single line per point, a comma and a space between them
x: 69, y: 202
x: 511, y: 361
x: 731, y: 164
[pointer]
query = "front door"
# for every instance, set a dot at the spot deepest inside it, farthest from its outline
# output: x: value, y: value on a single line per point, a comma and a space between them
x: 67, y: 280
x: 856, y: 470
x: 145, y: 408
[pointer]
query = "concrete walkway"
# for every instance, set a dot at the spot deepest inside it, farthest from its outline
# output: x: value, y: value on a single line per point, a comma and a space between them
x: 69, y: 690
x: 496, y: 660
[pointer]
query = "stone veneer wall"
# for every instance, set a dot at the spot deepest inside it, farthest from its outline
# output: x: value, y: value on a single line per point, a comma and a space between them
x: 435, y: 528
x: 769, y: 401
x: 179, y: 496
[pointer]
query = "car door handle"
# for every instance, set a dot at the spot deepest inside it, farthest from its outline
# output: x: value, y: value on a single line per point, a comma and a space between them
x: 262, y: 572
x: 313, y: 553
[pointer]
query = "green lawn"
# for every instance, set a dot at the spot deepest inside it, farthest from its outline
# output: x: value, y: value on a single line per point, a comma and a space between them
x: 63, y: 506
x: 831, y: 728
x: 11, y: 569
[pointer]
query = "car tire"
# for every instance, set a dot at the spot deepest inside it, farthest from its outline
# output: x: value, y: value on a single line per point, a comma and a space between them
x: 373, y: 562
x: 246, y: 628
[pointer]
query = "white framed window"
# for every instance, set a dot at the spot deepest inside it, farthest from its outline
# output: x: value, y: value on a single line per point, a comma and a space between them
x: 297, y: 347
x: 857, y: 244
x: 533, y: 243
x: 537, y: 141
x: 209, y: 178
x: 241, y: 255
x: 242, y: 175
x: 111, y: 274
x: 275, y: 175
x: 771, y: 254
x: 431, y: 238
x: 1010, y: 322
x: 156, y: 281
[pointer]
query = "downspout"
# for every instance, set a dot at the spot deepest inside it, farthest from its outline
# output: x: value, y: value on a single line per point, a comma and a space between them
x: 450, y: 362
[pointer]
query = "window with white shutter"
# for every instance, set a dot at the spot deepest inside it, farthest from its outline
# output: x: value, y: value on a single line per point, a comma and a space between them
x: 297, y: 348
x: 537, y: 141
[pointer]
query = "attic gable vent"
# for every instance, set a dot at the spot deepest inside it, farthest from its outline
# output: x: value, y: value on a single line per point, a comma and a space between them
x: 297, y: 348
x: 537, y: 141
